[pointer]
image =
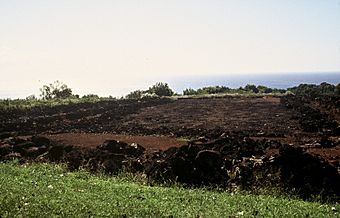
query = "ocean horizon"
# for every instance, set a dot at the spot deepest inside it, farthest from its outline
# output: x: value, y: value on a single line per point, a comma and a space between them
x: 277, y: 80
x: 180, y: 83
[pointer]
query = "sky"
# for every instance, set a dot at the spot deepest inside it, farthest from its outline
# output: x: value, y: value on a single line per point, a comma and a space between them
x: 111, y: 47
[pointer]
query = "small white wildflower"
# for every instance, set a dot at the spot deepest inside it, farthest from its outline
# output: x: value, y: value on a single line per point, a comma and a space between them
x: 240, y: 213
x: 50, y: 186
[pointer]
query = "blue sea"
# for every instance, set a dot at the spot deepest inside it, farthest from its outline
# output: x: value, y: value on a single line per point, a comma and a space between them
x: 179, y: 83
x: 277, y: 80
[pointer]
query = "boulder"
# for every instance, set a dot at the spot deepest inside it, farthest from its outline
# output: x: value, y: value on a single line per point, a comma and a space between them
x: 56, y: 153
x: 309, y: 175
x: 209, y: 168
x: 4, y: 135
x: 118, y: 147
x: 5, y: 149
x: 12, y: 156
x: 40, y: 140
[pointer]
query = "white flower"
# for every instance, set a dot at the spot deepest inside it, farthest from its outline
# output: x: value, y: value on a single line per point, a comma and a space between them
x: 240, y: 213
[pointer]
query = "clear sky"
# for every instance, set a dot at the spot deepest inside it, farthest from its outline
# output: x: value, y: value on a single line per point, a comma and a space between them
x: 112, y: 47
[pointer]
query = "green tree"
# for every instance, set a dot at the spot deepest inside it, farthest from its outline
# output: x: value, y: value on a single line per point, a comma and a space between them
x: 135, y: 94
x: 251, y: 88
x: 337, y: 89
x: 189, y: 91
x: 160, y: 89
x: 55, y: 90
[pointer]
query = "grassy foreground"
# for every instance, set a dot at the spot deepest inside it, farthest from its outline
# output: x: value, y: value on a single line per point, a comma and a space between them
x: 44, y: 190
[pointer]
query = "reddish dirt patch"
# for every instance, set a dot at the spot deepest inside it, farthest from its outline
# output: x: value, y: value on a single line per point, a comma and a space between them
x: 150, y: 143
x: 328, y: 154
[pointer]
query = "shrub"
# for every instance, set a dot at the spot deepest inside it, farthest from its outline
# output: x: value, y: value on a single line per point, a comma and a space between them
x: 337, y: 89
x: 251, y: 88
x: 31, y: 98
x: 313, y: 90
x: 189, y: 91
x: 160, y: 89
x: 90, y: 96
x: 55, y: 90
x: 135, y: 94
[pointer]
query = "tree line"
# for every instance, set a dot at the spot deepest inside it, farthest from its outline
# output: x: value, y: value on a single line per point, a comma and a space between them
x: 59, y: 90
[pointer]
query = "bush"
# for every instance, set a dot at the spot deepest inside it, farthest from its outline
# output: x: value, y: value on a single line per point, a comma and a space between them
x: 55, y: 90
x: 313, y: 90
x: 135, y: 94
x: 337, y: 89
x: 157, y: 90
x: 160, y: 89
x: 251, y: 88
x: 90, y: 96
x: 31, y: 98
x: 189, y: 91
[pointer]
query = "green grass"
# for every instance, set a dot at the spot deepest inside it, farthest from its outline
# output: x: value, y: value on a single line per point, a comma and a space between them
x: 26, y: 104
x: 30, y: 103
x: 44, y: 190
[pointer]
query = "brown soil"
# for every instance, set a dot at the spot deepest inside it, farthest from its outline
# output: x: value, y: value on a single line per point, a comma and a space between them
x: 89, y: 124
x: 257, y: 116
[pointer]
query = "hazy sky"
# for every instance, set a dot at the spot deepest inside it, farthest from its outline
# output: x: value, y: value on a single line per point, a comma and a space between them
x: 112, y: 47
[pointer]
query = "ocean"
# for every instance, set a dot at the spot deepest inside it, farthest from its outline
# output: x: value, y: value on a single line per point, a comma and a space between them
x: 179, y: 83
x: 277, y: 80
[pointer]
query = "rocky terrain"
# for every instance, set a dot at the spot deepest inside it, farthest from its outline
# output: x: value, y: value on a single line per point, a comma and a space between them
x: 290, y: 142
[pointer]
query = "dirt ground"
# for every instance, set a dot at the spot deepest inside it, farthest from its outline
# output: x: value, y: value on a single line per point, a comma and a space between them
x: 256, y: 116
x: 163, y: 123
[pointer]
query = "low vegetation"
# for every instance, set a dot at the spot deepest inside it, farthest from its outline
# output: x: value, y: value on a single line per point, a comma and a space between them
x: 157, y: 90
x: 44, y: 190
x: 248, y: 89
x: 29, y: 103
x: 58, y: 93
x: 316, y: 90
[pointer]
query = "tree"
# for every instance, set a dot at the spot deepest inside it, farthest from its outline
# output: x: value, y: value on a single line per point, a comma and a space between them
x: 189, y: 91
x: 327, y: 88
x: 135, y: 95
x: 252, y: 88
x: 31, y: 98
x: 337, y: 89
x: 55, y: 90
x: 91, y: 96
x: 160, y: 89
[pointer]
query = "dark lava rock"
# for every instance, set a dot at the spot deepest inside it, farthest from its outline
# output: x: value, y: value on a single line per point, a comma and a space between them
x: 22, y: 146
x: 5, y: 149
x: 56, y: 153
x: 308, y: 174
x: 40, y: 141
x: 4, y: 135
x: 118, y: 147
x: 192, y: 165
x: 12, y: 156
x: 33, y: 152
x: 208, y: 160
x: 209, y: 168
x: 327, y: 143
x: 113, y: 165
